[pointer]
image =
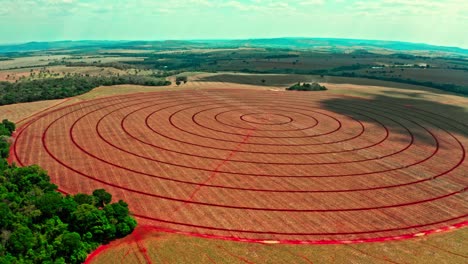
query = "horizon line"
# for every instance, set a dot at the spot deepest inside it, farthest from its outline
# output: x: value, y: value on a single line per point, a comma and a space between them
x: 226, y: 39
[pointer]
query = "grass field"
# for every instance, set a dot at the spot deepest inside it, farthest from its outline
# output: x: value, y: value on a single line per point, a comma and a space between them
x: 30, y: 61
x: 14, y: 75
x: 244, y: 154
x: 91, y: 70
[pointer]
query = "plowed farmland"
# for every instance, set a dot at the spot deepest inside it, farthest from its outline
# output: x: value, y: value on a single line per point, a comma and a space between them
x: 253, y: 165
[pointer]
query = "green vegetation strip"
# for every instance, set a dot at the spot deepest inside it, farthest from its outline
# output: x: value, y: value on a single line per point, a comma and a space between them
x: 68, y: 86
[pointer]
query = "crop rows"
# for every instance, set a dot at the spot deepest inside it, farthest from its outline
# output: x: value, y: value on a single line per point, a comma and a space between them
x: 260, y: 165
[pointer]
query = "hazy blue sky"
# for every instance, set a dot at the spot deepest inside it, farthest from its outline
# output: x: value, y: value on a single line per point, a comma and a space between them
x: 442, y: 22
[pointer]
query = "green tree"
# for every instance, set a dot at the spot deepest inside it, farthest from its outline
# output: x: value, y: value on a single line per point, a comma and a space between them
x: 66, y: 208
x: 7, y: 216
x: 21, y: 240
x: 53, y: 227
x: 71, y: 246
x: 49, y: 204
x: 102, y: 197
x: 4, y: 130
x: 70, y: 242
x: 118, y: 214
x: 82, y: 198
x: 25, y: 178
x: 4, y: 147
x: 88, y: 218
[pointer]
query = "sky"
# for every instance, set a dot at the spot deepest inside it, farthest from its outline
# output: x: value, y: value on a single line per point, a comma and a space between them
x: 439, y: 22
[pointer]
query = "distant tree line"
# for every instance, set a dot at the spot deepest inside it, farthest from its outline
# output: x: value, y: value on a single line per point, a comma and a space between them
x: 448, y: 87
x: 38, y: 224
x: 282, y: 56
x: 116, y: 65
x: 352, y: 67
x: 57, y: 88
x: 125, y: 66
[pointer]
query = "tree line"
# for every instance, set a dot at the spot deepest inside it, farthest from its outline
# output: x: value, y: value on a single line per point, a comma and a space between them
x: 448, y: 87
x: 38, y: 224
x: 68, y: 86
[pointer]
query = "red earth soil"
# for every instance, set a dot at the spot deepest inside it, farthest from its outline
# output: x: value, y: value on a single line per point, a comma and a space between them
x: 260, y: 165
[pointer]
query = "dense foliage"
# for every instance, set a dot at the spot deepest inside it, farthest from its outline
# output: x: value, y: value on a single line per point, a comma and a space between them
x: 57, y: 88
x: 307, y: 87
x: 6, y: 130
x: 40, y: 225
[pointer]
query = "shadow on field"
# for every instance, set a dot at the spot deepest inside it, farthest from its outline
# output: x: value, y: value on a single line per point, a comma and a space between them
x: 405, y: 108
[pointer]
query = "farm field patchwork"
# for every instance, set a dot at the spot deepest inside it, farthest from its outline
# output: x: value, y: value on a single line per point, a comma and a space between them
x: 256, y: 165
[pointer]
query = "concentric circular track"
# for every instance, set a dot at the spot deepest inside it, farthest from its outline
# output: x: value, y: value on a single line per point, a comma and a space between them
x: 256, y: 165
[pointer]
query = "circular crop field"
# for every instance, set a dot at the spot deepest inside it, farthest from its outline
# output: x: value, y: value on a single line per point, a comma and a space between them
x: 249, y: 165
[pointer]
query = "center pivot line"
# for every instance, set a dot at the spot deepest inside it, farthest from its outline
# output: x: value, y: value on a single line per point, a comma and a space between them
x: 215, y: 171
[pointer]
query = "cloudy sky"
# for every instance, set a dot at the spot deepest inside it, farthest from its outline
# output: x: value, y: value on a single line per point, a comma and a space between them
x: 440, y: 22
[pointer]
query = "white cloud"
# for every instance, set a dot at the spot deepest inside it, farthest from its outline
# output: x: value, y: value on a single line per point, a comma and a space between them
x: 60, y: 1
x: 311, y: 2
x: 424, y: 20
x: 448, y: 9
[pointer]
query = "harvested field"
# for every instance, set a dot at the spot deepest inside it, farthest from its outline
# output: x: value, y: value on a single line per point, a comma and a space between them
x: 20, y: 112
x: 149, y: 245
x: 256, y: 165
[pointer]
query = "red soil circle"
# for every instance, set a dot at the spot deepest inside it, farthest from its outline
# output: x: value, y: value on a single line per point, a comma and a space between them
x: 252, y: 165
x: 266, y: 119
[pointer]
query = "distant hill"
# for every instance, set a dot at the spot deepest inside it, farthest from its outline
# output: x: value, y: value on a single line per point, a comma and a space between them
x: 93, y: 44
x: 55, y: 45
x: 286, y: 43
x: 307, y: 43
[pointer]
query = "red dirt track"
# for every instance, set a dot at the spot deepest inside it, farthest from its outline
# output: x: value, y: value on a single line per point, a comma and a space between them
x: 253, y: 165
